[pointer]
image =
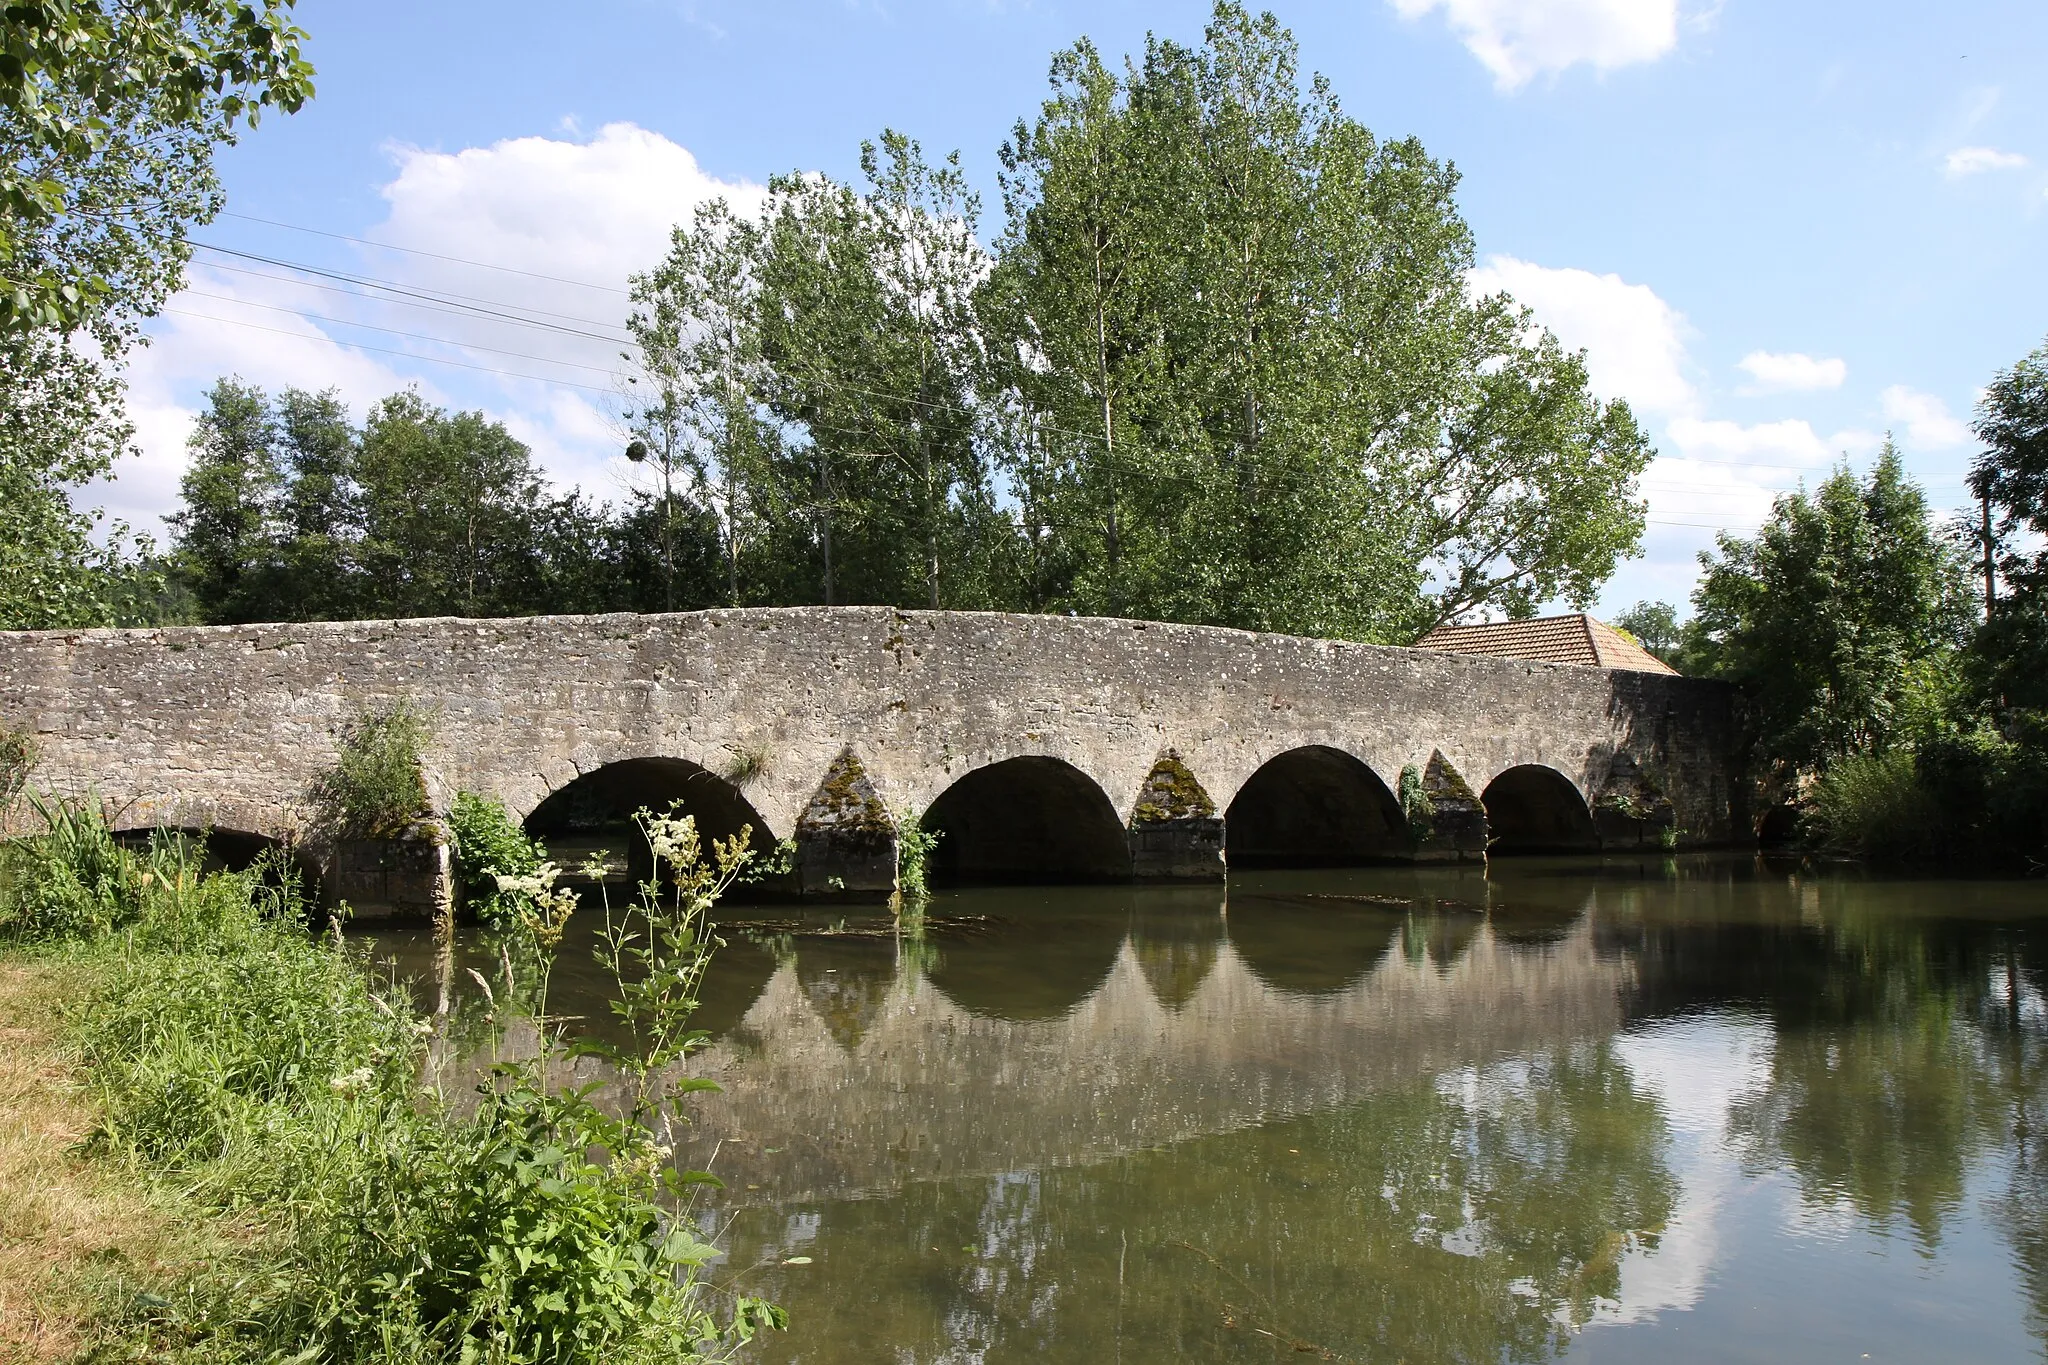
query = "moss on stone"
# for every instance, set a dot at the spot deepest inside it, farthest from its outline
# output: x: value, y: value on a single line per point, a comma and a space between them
x: 1171, y: 792
x: 846, y: 801
x: 1445, y: 784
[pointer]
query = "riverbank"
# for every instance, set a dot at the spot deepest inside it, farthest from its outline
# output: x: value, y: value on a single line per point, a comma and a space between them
x: 215, y: 1146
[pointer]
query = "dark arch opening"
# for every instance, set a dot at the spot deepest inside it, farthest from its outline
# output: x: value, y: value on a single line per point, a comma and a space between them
x: 1314, y: 807
x: 596, y: 811
x: 230, y: 850
x: 1536, y: 809
x: 1026, y: 820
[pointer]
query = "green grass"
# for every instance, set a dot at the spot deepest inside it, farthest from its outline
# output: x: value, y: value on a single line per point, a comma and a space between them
x: 265, y: 1080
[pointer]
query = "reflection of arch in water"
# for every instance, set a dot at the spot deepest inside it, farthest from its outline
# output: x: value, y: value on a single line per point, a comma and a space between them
x: 1440, y: 937
x: 739, y: 972
x: 1532, y: 808
x: 1297, y: 944
x: 1175, y: 935
x: 1041, y: 962
x: 1028, y: 819
x: 596, y: 810
x: 1314, y: 807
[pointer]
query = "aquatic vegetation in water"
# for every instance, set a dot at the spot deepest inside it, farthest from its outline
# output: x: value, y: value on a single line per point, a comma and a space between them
x: 488, y: 844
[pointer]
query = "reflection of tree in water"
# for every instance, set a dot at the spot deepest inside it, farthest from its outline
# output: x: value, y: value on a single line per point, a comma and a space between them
x: 1909, y: 1054
x: 1889, y: 1081
x: 1464, y: 1220
x: 1886, y: 1112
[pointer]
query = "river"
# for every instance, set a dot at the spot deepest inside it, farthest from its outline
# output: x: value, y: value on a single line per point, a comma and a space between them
x: 1706, y: 1108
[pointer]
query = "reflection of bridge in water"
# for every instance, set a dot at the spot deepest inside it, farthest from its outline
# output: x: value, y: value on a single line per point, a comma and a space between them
x: 865, y: 1068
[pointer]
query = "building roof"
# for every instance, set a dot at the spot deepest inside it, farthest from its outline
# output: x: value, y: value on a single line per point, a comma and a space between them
x: 1576, y: 639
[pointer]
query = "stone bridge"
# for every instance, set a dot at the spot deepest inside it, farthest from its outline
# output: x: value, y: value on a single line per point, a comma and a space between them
x: 1038, y: 746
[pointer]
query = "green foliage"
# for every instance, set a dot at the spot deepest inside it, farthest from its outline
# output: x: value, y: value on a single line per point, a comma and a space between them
x: 263, y: 1071
x: 292, y: 513
x: 1872, y: 805
x: 1222, y: 367
x: 489, y: 843
x: 376, y: 786
x: 110, y: 115
x: 656, y: 951
x: 1254, y: 388
x: 2009, y: 659
x: 1973, y: 797
x: 914, y: 845
x: 19, y: 753
x: 1417, y: 808
x: 1843, y: 617
x: 1654, y: 626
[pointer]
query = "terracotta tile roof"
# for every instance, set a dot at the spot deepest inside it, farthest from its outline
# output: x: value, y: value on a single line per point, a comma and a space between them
x: 1577, y: 639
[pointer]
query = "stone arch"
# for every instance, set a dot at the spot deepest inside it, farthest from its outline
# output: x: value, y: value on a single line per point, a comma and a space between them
x: 596, y: 809
x: 1029, y: 819
x: 1315, y: 806
x: 1534, y: 808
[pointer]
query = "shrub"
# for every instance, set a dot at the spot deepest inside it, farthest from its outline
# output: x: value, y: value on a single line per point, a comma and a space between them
x: 377, y: 787
x: 489, y: 842
x: 1970, y: 797
x: 1871, y: 805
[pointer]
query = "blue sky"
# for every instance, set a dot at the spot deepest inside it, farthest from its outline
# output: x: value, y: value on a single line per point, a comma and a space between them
x: 1780, y: 229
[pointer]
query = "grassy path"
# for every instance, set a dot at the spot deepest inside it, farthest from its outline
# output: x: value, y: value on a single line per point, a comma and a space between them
x: 77, y: 1233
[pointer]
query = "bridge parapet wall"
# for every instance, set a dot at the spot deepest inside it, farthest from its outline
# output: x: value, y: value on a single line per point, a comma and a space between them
x: 226, y: 726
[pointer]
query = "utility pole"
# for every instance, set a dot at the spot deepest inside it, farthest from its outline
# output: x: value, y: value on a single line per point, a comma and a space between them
x: 1990, y: 573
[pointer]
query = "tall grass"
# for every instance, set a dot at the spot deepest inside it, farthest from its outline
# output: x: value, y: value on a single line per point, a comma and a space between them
x: 271, y: 1076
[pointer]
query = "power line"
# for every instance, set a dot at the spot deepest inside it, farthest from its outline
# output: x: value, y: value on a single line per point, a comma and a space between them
x: 483, y: 307
x: 392, y: 331
x: 459, y: 312
x: 430, y: 255
x: 386, y: 350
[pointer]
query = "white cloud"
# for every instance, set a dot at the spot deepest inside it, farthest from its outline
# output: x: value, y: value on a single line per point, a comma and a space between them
x: 1974, y: 160
x: 1634, y: 341
x: 1925, y: 419
x: 589, y: 210
x: 1791, y: 372
x: 1518, y: 40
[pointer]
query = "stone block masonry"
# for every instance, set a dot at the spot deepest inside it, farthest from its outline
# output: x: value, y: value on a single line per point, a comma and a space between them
x: 847, y: 715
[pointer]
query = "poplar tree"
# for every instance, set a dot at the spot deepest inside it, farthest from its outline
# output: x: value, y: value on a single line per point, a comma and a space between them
x: 1245, y: 324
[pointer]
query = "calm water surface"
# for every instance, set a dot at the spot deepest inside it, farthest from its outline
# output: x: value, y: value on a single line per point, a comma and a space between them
x: 1697, y: 1109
